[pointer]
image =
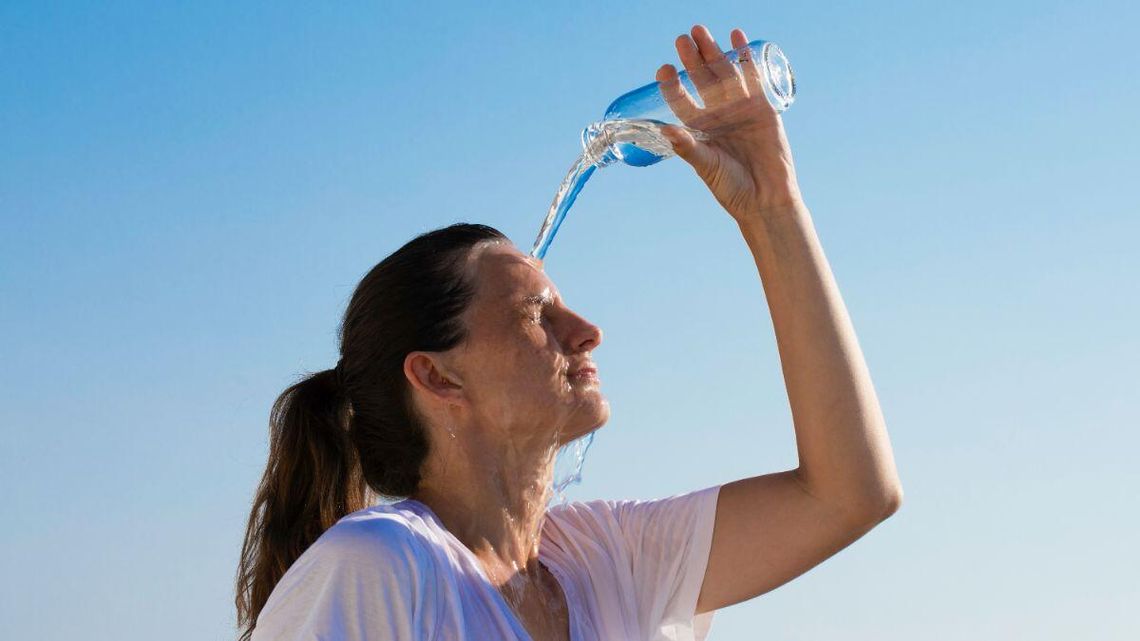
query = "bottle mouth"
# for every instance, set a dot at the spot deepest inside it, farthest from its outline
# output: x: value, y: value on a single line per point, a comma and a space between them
x: 597, y: 144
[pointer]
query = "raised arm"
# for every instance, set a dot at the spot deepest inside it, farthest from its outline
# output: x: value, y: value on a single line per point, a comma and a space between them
x: 772, y: 528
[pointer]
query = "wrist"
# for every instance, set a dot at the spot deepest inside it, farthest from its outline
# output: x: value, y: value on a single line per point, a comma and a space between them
x: 765, y: 216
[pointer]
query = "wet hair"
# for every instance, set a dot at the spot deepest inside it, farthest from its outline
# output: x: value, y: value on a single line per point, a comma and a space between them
x: 341, y: 436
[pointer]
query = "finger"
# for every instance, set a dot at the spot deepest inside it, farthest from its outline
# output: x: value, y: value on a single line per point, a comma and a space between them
x: 729, y: 79
x: 689, y: 53
x: 749, y: 68
x: 675, y: 94
x: 691, y: 150
x: 738, y: 38
x: 706, y: 44
x: 703, y: 78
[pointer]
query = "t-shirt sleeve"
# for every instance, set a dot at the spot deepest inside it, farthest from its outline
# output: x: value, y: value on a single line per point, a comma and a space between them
x: 363, y: 580
x: 668, y: 541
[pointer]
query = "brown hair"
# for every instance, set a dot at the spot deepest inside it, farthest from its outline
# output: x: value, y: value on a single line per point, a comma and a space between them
x: 342, y: 434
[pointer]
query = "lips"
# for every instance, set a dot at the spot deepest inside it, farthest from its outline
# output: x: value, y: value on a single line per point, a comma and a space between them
x: 584, y: 373
x: 587, y: 367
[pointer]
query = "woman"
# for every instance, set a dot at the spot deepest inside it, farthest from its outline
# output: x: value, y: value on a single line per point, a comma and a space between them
x: 461, y: 373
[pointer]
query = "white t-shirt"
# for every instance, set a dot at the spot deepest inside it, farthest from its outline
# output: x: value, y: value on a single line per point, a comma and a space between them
x: 630, y: 570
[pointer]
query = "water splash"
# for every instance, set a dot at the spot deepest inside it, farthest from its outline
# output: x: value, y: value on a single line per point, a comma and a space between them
x: 568, y: 466
x: 633, y: 142
x: 630, y: 141
x: 575, y: 179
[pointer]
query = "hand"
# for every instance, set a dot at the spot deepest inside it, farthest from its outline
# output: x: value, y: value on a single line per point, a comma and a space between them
x: 746, y: 161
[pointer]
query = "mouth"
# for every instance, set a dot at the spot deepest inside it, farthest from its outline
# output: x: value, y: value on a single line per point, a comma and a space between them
x: 588, y: 373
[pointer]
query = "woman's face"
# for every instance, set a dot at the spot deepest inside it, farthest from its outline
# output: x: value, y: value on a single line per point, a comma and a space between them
x: 525, y: 366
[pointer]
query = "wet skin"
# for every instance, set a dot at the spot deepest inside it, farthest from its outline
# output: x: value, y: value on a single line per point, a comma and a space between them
x: 497, y: 408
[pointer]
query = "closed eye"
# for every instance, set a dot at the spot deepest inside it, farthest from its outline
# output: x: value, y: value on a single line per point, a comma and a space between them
x: 532, y: 313
x: 536, y: 306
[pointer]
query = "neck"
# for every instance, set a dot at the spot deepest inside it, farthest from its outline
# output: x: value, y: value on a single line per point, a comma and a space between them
x: 493, y: 499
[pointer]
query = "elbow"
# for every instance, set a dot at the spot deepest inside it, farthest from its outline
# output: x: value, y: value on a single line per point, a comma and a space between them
x: 893, y: 503
x: 889, y: 504
x: 874, y: 503
x: 879, y: 509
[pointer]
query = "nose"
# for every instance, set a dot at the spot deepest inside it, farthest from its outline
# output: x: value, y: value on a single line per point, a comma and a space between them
x: 586, y: 336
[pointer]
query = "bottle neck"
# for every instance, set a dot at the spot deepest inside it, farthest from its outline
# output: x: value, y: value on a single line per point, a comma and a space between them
x: 597, y: 145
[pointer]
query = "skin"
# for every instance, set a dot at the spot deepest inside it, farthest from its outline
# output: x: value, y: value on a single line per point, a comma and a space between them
x: 498, y: 407
x: 505, y: 395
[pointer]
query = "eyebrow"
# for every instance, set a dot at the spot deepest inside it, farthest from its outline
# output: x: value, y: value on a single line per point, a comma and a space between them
x: 538, y: 299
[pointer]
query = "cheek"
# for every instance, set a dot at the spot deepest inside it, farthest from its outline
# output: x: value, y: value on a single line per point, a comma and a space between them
x: 539, y: 374
x: 525, y: 364
x: 521, y: 368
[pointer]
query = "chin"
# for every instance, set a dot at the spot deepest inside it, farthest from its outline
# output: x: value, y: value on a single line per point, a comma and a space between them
x: 599, y: 415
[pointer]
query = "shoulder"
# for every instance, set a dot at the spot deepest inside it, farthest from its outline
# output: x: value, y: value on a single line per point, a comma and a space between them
x: 633, y: 523
x: 372, y: 575
x: 377, y: 535
x: 622, y: 511
x: 588, y: 515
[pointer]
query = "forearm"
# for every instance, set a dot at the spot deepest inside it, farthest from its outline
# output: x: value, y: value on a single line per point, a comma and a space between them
x: 844, y: 452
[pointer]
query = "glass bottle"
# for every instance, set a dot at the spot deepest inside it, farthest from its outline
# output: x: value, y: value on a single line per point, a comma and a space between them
x: 629, y: 132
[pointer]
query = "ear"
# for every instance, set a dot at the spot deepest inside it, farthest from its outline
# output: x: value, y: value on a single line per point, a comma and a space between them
x: 427, y: 372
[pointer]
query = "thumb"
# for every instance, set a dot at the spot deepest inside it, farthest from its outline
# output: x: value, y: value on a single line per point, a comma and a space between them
x: 691, y: 150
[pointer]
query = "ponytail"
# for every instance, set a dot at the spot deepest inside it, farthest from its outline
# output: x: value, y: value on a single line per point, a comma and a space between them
x: 313, y: 478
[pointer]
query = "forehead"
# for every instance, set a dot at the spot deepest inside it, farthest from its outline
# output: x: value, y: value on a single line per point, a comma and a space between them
x: 502, y: 272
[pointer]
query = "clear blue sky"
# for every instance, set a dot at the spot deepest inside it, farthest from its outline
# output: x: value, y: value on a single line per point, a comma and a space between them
x: 189, y: 194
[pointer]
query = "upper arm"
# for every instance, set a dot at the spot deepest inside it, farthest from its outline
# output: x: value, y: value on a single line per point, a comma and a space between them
x: 769, y: 530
